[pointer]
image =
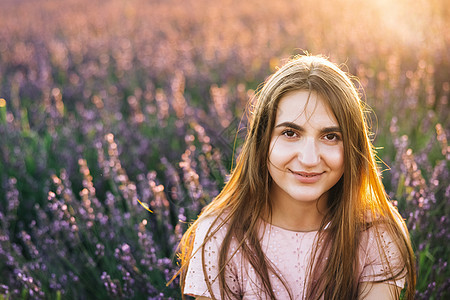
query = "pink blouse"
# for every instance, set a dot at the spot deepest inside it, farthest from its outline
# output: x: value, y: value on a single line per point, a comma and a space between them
x: 288, y: 251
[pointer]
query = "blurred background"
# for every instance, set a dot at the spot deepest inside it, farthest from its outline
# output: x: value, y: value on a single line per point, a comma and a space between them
x: 107, y: 102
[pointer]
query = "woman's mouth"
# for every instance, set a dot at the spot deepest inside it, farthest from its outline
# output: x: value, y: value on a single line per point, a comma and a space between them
x: 307, y: 177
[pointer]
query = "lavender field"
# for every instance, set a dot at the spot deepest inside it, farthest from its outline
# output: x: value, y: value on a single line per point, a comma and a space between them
x: 105, y: 103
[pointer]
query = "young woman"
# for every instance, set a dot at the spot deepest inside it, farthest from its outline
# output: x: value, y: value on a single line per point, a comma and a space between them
x: 304, y: 214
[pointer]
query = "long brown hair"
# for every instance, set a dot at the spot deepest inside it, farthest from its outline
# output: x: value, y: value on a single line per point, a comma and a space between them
x: 358, y: 201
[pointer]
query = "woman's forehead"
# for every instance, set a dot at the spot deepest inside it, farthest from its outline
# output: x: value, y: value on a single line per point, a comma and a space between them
x: 302, y: 106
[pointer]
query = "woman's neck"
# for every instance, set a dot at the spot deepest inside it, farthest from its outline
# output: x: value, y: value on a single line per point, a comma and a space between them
x: 297, y: 215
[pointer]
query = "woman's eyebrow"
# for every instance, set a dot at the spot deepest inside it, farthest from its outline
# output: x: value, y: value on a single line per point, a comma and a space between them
x: 331, y: 129
x: 300, y: 128
x: 290, y: 125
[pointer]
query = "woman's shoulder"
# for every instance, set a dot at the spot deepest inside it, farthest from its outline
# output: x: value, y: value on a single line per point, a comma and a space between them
x: 212, y: 225
x: 376, y: 223
x: 383, y: 230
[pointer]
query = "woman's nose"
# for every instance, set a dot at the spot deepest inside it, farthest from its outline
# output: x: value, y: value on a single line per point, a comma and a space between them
x: 308, y: 153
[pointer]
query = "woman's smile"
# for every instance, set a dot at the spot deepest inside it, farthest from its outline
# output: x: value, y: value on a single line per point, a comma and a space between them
x: 307, y: 177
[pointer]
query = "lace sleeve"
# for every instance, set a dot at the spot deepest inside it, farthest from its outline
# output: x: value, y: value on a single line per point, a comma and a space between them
x: 195, y: 284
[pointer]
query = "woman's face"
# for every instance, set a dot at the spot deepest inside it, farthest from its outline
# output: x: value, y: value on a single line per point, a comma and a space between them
x: 306, y: 154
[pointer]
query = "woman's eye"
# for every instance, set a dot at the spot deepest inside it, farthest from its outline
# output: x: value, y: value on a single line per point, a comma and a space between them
x: 331, y: 137
x: 289, y: 133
